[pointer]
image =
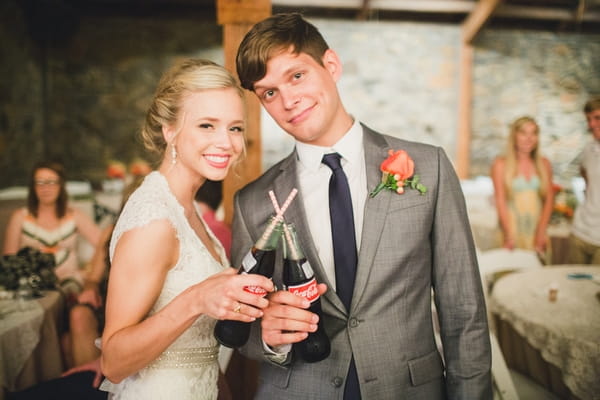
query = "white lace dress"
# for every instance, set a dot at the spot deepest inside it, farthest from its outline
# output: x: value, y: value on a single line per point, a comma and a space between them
x: 188, y: 369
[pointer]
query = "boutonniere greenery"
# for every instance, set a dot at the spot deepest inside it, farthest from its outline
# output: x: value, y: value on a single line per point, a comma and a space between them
x: 398, y: 172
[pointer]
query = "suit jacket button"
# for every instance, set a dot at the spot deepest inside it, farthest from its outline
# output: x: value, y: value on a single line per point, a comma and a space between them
x: 353, y: 322
x: 337, y: 381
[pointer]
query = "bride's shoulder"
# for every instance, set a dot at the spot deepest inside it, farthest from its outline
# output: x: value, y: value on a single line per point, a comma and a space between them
x: 148, y: 203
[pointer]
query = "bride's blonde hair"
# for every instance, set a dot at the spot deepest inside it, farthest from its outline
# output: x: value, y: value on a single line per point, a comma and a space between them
x: 187, y: 76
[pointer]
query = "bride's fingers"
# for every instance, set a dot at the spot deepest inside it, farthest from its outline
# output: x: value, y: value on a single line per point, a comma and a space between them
x: 243, y: 312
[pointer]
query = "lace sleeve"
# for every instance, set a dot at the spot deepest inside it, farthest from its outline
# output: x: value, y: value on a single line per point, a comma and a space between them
x: 143, y: 206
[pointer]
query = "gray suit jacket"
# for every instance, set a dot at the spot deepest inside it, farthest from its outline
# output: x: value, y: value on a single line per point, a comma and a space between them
x: 410, y: 244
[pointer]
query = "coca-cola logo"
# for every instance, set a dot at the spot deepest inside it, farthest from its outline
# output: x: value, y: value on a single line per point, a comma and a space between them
x: 255, y: 290
x: 307, y: 290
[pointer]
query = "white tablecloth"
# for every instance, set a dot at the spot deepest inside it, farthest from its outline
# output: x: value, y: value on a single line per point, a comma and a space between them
x: 20, y: 323
x: 566, y: 331
x: 30, y: 341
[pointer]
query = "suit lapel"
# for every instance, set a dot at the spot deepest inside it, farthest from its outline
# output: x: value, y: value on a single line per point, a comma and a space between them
x: 375, y: 213
x: 296, y: 214
x: 376, y: 210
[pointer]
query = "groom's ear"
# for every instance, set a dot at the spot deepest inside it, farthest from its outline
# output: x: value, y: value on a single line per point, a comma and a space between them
x: 332, y: 63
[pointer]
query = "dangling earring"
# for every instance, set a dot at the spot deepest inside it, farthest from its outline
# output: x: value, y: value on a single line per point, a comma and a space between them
x: 173, y: 154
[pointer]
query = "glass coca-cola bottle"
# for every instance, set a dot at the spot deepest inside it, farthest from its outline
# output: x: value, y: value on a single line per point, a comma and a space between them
x: 299, y: 278
x: 260, y: 259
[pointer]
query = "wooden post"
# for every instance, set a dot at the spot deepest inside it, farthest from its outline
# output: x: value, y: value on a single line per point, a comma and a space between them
x: 472, y: 25
x: 237, y: 17
x: 465, y: 103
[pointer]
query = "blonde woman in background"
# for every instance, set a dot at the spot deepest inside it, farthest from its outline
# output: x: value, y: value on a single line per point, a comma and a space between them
x: 523, y: 189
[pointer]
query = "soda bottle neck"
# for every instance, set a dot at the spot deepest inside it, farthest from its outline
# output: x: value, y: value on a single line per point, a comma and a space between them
x: 291, y: 247
x: 270, y: 236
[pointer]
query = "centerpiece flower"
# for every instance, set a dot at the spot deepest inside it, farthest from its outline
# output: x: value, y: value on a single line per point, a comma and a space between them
x: 565, y: 203
x: 116, y: 170
x: 398, y: 171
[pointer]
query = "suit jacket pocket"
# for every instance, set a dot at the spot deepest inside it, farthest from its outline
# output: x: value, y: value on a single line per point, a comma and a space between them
x: 275, y: 375
x: 426, y: 368
x: 409, y: 199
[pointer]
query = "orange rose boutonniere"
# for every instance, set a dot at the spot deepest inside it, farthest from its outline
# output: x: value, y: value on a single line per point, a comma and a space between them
x: 398, y: 171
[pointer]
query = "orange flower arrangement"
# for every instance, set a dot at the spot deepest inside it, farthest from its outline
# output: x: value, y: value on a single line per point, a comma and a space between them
x: 116, y: 170
x: 565, y: 203
x: 139, y: 167
x: 398, y: 171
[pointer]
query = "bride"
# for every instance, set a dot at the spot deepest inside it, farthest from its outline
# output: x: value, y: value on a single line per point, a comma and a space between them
x: 169, y: 280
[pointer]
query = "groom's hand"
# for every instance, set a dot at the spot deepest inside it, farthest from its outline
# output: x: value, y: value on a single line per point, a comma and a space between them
x: 286, y: 320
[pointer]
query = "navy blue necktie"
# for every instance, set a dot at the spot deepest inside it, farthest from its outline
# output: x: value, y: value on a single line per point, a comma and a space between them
x: 344, y: 249
x: 342, y: 229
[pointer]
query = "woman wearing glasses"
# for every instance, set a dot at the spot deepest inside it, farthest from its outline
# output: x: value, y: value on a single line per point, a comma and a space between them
x: 49, y: 224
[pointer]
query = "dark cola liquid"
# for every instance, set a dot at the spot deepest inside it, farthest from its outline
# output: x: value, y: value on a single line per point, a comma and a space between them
x: 236, y: 333
x: 299, y: 279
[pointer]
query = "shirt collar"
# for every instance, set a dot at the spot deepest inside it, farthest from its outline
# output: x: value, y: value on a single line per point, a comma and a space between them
x: 349, y: 147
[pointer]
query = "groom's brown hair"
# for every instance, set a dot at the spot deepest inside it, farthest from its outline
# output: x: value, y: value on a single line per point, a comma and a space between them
x: 278, y: 33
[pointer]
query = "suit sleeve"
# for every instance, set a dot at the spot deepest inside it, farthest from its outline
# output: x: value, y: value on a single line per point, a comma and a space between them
x: 458, y: 292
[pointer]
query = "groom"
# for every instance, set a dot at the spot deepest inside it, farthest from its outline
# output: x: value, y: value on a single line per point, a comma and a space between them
x: 377, y: 273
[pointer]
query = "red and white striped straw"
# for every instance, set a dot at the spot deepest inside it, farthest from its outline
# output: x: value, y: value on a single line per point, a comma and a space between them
x: 279, y: 213
x: 286, y: 231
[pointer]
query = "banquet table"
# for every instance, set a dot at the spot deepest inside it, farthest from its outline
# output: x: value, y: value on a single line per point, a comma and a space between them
x: 556, y: 343
x: 30, y: 341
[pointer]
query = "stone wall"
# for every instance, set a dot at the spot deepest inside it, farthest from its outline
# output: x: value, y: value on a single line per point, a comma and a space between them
x: 82, y: 97
x: 546, y: 75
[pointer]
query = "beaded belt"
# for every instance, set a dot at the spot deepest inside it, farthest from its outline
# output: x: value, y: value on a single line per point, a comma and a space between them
x: 186, y: 358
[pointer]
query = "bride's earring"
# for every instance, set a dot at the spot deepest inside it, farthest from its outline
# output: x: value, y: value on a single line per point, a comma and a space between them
x: 173, y: 154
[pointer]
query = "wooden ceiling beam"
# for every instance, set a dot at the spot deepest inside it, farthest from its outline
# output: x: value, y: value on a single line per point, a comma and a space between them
x: 426, y: 6
x: 545, y: 13
x: 477, y: 18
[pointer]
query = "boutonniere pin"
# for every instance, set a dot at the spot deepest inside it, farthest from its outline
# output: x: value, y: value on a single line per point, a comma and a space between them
x: 398, y: 171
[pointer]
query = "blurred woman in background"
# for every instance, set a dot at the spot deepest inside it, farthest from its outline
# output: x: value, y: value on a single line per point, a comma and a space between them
x: 523, y: 189
x: 50, y: 225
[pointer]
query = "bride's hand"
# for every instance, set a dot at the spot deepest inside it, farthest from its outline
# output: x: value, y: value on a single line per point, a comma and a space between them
x: 226, y: 295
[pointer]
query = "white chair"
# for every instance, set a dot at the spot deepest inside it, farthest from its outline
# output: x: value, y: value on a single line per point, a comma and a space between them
x: 494, y: 262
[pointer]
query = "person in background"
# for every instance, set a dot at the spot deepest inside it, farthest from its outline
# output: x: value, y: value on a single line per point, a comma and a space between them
x: 209, y: 198
x: 394, y: 248
x: 50, y: 225
x: 77, y: 383
x: 523, y: 191
x: 585, y: 235
x: 169, y: 279
x: 86, y: 320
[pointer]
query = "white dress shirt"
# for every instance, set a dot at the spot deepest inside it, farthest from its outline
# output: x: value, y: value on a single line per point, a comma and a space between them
x: 314, y: 176
x: 587, y: 214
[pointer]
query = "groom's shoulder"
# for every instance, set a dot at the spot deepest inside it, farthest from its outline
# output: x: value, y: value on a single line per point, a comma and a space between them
x: 413, y: 148
x: 264, y: 182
